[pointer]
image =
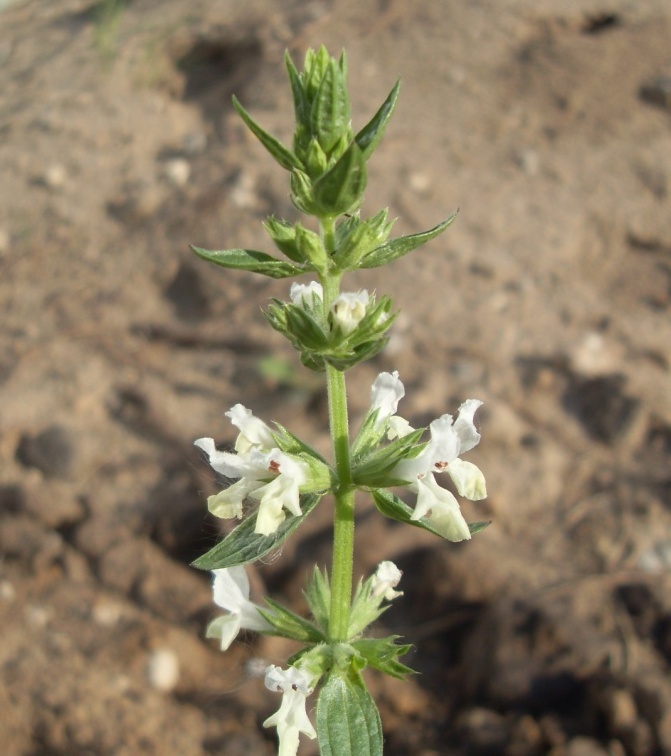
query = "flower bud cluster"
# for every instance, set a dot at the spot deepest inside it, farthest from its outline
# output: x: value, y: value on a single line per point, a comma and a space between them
x: 327, y: 160
x: 351, y: 330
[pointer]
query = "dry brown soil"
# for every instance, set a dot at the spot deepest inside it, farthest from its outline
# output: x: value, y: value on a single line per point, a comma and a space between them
x: 548, y: 124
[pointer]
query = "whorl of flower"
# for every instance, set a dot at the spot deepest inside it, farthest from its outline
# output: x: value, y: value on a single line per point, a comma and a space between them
x: 449, y: 439
x: 263, y: 471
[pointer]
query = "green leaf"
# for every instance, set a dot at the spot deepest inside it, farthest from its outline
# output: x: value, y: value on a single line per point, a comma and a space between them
x: 251, y: 260
x: 243, y: 545
x: 341, y: 188
x: 314, y: 69
x: 391, y: 506
x: 282, y: 155
x: 382, y: 654
x: 287, y: 624
x: 396, y: 248
x: 330, y: 114
x: 476, y: 527
x: 300, y: 102
x: 370, y: 135
x: 348, y: 722
x: 396, y: 509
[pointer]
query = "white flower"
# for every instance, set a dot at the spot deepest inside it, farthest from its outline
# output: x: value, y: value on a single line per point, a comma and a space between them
x: 348, y: 309
x: 254, y: 433
x: 281, y: 493
x: 291, y: 719
x: 442, y: 509
x: 449, y: 439
x: 302, y: 294
x: 231, y: 592
x: 385, y: 395
x: 263, y: 471
x: 387, y: 576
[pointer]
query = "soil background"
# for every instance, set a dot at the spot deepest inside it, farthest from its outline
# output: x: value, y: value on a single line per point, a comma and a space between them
x: 548, y: 124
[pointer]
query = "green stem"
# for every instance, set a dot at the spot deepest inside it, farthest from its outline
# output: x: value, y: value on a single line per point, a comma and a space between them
x: 343, y: 522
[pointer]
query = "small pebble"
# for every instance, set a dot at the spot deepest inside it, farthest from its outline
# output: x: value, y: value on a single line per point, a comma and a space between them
x: 163, y: 669
x: 177, y: 171
x: 7, y: 591
x: 106, y: 613
x: 55, y: 176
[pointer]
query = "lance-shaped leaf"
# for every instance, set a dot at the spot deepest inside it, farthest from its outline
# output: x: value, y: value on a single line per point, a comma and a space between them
x: 330, y: 114
x: 300, y: 101
x: 243, y: 545
x: 396, y: 509
x: 348, y: 722
x: 287, y: 624
x: 372, y: 132
x: 396, y: 248
x: 282, y: 155
x: 251, y: 260
x: 341, y: 188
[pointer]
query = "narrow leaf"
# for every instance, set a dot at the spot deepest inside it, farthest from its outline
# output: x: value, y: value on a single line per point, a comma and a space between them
x: 391, y: 506
x: 396, y: 248
x: 287, y: 624
x: 251, y: 260
x: 300, y: 104
x: 284, y: 156
x: 330, y: 108
x: 370, y: 135
x: 348, y: 722
x: 396, y: 509
x: 243, y: 545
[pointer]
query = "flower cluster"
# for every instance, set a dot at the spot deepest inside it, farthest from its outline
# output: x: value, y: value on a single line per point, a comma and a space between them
x: 264, y: 472
x: 419, y: 464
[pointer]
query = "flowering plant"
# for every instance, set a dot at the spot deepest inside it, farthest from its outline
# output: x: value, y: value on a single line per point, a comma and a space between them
x: 285, y: 477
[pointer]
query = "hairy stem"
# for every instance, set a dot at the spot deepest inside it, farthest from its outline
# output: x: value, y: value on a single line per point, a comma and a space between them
x: 343, y: 522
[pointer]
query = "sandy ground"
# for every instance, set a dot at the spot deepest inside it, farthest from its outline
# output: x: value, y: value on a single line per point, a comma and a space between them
x: 548, y: 124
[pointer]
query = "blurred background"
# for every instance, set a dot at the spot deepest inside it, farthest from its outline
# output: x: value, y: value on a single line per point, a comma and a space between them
x: 547, y: 123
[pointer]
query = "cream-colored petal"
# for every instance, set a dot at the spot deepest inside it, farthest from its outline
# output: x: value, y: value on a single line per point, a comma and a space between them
x: 468, y: 479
